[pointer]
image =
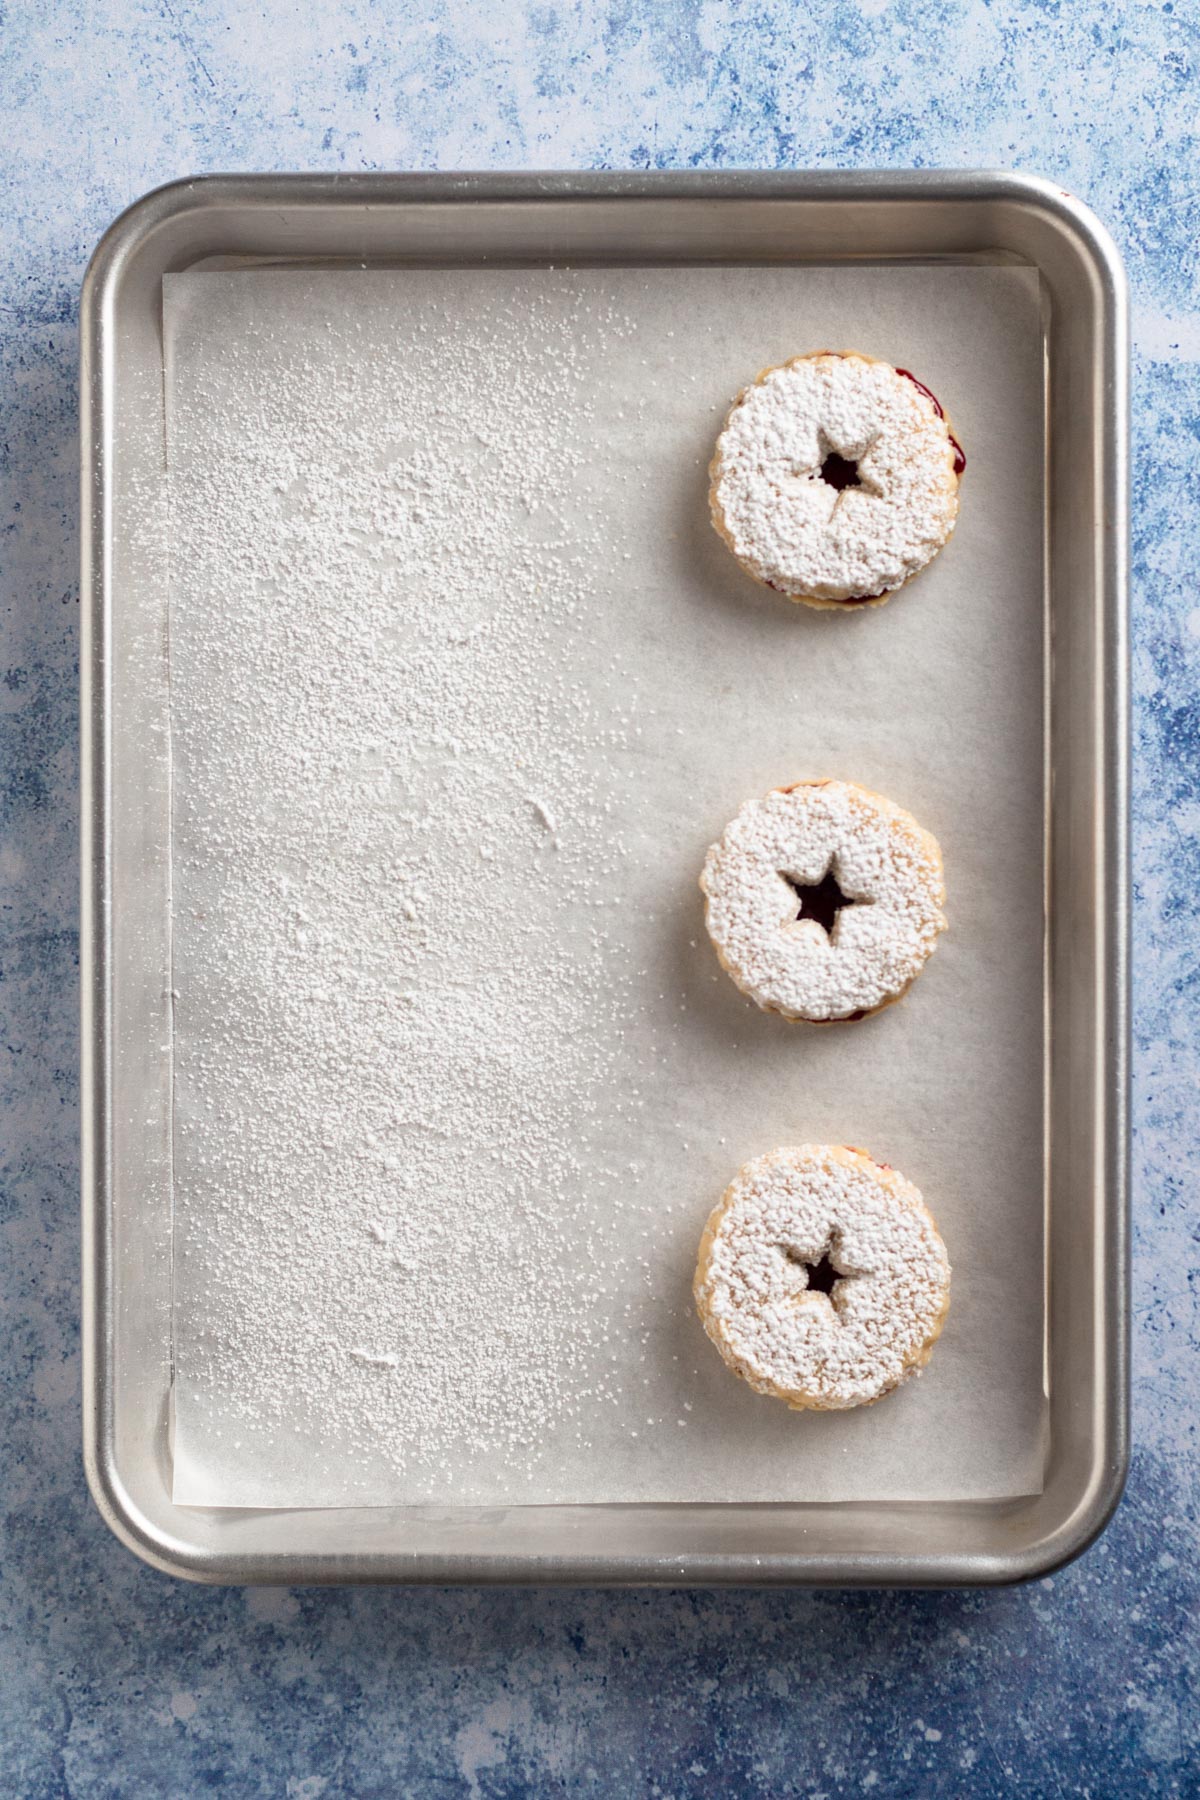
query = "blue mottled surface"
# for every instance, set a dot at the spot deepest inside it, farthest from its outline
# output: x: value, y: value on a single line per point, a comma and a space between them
x: 117, y: 1681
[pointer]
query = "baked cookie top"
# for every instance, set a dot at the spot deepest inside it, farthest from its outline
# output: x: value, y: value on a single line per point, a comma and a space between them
x: 821, y: 1278
x: 835, y: 478
x: 823, y: 900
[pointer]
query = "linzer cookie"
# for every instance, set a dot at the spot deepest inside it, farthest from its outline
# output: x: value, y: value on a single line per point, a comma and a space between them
x: 835, y: 479
x: 821, y: 1278
x: 823, y: 900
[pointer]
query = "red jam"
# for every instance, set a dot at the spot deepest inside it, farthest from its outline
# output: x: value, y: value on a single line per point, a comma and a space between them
x: 848, y: 600
x: 839, y: 472
x: 960, y: 456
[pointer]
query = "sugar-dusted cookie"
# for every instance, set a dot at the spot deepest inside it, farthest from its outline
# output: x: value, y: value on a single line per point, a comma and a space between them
x: 822, y: 1278
x: 823, y: 900
x: 835, y: 479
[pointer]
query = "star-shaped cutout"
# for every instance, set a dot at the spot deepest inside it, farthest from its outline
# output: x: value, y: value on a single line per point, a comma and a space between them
x: 821, y: 902
x: 838, y: 471
x: 823, y: 1274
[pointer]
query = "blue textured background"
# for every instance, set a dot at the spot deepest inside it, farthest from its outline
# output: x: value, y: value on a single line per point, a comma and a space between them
x: 117, y: 1681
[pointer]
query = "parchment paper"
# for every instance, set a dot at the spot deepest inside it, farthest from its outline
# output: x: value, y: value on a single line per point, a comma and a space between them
x: 720, y: 690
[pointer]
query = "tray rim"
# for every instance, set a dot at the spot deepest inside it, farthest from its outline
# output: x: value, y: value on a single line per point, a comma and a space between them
x: 172, y: 1550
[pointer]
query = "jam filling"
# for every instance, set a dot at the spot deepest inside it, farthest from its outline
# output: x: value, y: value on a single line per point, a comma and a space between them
x: 821, y: 903
x: 848, y: 600
x: 839, y: 472
x: 960, y: 455
x: 823, y: 1277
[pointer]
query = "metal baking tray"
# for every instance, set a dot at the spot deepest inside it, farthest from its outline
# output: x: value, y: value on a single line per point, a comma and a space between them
x: 617, y: 219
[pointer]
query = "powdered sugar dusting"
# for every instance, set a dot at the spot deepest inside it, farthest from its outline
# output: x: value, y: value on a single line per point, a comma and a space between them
x: 850, y: 1347
x: 381, y: 827
x: 796, y: 532
x: 883, y: 859
x: 457, y: 1075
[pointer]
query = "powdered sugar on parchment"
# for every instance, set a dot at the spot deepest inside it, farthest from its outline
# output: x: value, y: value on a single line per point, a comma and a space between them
x: 393, y: 873
x: 463, y: 686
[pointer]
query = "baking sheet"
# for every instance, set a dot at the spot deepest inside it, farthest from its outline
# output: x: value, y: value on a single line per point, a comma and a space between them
x: 463, y: 684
